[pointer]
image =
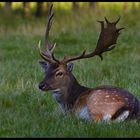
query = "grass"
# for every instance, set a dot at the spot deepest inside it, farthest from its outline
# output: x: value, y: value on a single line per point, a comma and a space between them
x: 28, y: 112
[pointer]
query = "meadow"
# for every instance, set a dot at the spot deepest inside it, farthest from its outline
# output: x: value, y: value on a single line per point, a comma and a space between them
x: 25, y: 111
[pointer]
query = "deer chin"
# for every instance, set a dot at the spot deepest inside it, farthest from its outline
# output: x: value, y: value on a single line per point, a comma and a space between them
x: 49, y: 88
x: 55, y: 90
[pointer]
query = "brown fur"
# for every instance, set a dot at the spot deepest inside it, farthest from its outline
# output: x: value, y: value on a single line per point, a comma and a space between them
x: 106, y: 100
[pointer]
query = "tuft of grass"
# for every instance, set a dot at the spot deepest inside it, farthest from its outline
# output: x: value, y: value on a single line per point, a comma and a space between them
x: 28, y: 112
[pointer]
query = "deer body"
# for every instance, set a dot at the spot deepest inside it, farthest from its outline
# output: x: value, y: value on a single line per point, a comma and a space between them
x: 105, y: 103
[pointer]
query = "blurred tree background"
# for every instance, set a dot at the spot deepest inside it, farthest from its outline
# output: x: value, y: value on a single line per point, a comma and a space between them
x: 39, y: 9
x: 13, y: 14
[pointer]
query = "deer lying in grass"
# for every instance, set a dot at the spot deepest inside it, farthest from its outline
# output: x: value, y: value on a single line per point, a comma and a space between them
x: 104, y: 103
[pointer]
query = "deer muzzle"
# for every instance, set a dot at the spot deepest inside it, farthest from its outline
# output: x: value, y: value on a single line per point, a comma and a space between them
x: 44, y: 86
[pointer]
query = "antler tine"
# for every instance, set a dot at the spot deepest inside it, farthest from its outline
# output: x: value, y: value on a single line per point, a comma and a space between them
x: 106, y: 42
x: 47, y: 55
x: 49, y: 23
x: 42, y: 54
x: 106, y: 20
x: 117, y: 20
x: 68, y: 59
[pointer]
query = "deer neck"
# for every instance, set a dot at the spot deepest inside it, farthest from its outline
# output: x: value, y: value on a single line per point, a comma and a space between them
x: 68, y: 95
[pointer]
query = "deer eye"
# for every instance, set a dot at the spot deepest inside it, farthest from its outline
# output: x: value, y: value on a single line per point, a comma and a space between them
x: 59, y: 74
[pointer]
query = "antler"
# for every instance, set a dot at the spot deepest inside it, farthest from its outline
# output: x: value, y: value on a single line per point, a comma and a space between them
x: 48, y: 54
x: 106, y: 42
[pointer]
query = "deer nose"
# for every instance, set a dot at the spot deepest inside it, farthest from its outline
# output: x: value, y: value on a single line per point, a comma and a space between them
x: 42, y: 86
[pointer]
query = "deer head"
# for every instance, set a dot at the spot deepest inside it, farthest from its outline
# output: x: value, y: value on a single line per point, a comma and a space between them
x: 58, y: 73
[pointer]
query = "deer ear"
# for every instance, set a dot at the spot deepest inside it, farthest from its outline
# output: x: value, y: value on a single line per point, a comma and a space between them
x: 43, y: 64
x: 70, y: 67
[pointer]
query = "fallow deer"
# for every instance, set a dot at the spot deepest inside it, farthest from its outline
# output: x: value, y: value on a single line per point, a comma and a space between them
x: 103, y: 103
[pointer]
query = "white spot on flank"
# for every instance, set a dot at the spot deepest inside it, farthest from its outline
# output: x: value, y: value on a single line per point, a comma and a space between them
x: 98, y: 90
x: 107, y: 96
x: 95, y: 102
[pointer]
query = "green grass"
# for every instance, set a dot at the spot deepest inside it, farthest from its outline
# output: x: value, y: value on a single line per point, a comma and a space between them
x: 25, y: 111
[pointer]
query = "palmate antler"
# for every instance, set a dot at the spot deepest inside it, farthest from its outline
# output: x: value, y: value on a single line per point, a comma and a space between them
x: 106, y: 42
